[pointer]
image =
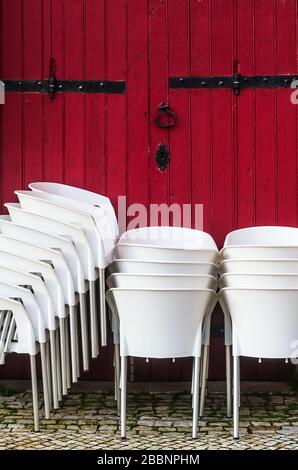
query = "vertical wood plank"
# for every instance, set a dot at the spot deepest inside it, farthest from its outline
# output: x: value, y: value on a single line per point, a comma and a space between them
x: 11, y: 174
x: 245, y: 118
x: 222, y: 64
x: 116, y: 115
x: 158, y: 89
x: 32, y: 103
x: 201, y: 114
x: 74, y: 28
x: 179, y: 100
x: 138, y: 162
x: 265, y: 43
x: 11, y: 66
x: 11, y: 35
x: 286, y: 116
x: 95, y: 168
x: 53, y: 110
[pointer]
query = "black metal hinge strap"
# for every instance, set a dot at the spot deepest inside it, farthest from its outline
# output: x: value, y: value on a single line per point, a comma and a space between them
x: 53, y: 85
x: 235, y: 82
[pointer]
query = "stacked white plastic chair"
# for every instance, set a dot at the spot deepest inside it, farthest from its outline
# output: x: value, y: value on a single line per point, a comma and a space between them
x: 163, y: 280
x: 22, y: 331
x: 47, y: 260
x: 259, y: 292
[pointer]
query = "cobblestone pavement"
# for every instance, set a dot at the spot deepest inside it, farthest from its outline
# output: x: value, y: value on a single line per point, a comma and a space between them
x: 268, y: 420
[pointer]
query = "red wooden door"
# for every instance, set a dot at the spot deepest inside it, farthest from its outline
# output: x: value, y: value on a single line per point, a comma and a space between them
x: 236, y: 155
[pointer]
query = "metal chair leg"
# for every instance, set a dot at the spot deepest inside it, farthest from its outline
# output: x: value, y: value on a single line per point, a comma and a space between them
x: 62, y: 334
x: 229, y: 381
x: 45, y: 380
x: 77, y: 342
x: 73, y: 343
x: 93, y: 321
x: 54, y: 369
x: 103, y: 317
x: 196, y: 397
x: 84, y: 331
x: 58, y: 362
x: 123, y: 396
x: 204, y: 379
x: 49, y: 375
x: 236, y: 397
x: 34, y: 392
x: 117, y: 376
x: 67, y: 354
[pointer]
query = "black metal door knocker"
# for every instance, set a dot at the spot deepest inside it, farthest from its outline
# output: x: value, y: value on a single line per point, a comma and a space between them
x: 162, y: 156
x: 165, y: 117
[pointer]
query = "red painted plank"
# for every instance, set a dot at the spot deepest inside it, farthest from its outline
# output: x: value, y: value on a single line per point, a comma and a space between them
x: 58, y: 39
x: 53, y: 110
x: 201, y: 114
x: 116, y: 115
x: 265, y: 115
x: 11, y: 35
x: 179, y: 100
x: 245, y: 118
x: 74, y: 102
x: 11, y: 67
x: 32, y: 39
x: 95, y: 113
x: 222, y: 63
x: 32, y: 103
x: 32, y: 138
x: 138, y: 162
x: 286, y: 117
x: 158, y: 89
x: 11, y: 175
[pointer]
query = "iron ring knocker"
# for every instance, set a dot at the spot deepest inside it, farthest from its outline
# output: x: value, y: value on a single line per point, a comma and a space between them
x: 165, y: 117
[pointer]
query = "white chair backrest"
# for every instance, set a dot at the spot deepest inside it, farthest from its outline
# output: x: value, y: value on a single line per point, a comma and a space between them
x: 164, y: 281
x: 38, y: 287
x: 259, y: 252
x: 153, y: 253
x: 31, y: 306
x: 161, y: 323
x: 264, y: 321
x: 71, y: 193
x: 160, y: 267
x: 38, y: 203
x: 261, y: 281
x: 20, y: 232
x: 56, y: 227
x: 26, y: 337
x: 276, y: 266
x: 170, y: 237
x: 271, y: 236
x: 41, y: 253
x: 29, y: 265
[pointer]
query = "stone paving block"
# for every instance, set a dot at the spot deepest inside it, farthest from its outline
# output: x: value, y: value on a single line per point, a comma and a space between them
x: 154, y: 421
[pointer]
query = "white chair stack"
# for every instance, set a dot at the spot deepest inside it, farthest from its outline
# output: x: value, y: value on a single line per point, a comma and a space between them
x: 259, y: 293
x: 163, y: 286
x: 54, y: 246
